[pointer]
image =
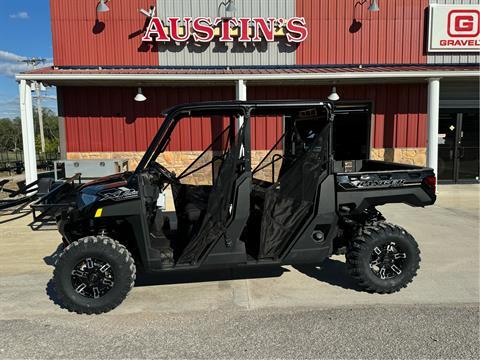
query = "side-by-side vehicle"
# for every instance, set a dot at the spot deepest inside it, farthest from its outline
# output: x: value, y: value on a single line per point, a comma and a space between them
x: 298, y: 205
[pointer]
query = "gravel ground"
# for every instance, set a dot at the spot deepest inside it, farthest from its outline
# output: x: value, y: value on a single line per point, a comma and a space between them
x: 378, y: 332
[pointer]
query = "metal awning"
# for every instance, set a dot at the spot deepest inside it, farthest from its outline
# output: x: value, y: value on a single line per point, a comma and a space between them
x: 194, y: 75
x: 240, y: 77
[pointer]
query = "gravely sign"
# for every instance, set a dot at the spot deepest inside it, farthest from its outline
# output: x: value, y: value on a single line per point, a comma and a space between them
x: 204, y: 29
x: 454, y: 28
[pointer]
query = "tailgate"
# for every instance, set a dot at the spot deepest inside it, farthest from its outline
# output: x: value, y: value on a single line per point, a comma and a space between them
x: 361, y: 190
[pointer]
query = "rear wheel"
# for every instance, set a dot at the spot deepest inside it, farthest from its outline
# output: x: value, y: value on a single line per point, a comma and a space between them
x: 383, y: 258
x: 93, y: 275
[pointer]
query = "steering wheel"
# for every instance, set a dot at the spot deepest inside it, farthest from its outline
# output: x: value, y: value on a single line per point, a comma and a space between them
x: 170, y: 176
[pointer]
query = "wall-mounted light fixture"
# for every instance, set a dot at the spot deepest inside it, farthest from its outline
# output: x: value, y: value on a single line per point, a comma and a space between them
x: 374, y: 6
x: 102, y: 6
x: 140, y: 97
x: 150, y: 13
x: 356, y: 25
x: 229, y: 6
x: 334, y: 96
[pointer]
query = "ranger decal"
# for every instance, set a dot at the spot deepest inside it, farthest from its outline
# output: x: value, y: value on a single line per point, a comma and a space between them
x: 120, y: 194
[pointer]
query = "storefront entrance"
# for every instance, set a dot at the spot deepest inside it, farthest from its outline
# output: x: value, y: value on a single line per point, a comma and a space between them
x: 458, y: 146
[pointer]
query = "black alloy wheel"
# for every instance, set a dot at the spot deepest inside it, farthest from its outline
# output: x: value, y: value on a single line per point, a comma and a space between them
x: 93, y: 275
x: 383, y: 258
x: 92, y: 278
x: 387, y: 261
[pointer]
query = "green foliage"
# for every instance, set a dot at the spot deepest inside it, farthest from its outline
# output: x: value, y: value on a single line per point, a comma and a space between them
x: 11, y: 132
x: 50, y: 130
x: 51, y: 145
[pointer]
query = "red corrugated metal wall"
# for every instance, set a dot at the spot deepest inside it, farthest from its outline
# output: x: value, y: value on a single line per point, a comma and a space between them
x: 342, y: 33
x: 266, y: 130
x: 393, y: 35
x: 108, y: 119
x: 79, y: 38
x: 400, y: 110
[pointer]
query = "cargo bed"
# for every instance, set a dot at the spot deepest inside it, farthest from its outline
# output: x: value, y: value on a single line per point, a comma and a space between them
x: 365, y: 183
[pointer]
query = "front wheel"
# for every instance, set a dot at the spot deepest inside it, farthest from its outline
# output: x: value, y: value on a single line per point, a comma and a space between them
x: 93, y: 275
x: 383, y: 258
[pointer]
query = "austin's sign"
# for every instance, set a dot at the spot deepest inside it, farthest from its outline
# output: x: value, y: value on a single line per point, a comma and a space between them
x: 454, y: 28
x: 243, y: 29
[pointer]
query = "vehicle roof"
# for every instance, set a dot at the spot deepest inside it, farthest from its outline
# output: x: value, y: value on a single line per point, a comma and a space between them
x: 256, y: 104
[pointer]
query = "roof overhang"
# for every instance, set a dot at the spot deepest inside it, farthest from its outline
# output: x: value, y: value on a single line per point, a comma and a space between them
x: 146, y: 77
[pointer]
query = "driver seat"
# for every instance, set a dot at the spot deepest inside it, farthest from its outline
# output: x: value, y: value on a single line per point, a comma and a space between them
x: 192, y: 212
x: 150, y: 194
x: 195, y: 199
x: 155, y: 220
x: 191, y: 203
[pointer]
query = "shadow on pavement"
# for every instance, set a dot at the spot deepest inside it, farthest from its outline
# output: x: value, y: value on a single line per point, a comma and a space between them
x: 51, y: 259
x: 196, y: 276
x: 52, y: 294
x: 178, y: 277
x: 332, y: 272
x: 19, y: 216
x: 14, y: 214
x: 43, y: 226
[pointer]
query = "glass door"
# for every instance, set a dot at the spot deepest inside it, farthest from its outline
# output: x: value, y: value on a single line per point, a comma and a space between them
x: 458, y: 147
x: 447, y: 140
x: 468, y: 159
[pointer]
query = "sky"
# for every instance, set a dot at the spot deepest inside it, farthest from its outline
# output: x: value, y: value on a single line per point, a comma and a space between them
x: 24, y: 33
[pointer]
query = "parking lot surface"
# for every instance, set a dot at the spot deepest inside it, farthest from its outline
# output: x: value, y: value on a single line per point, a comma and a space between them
x: 288, y: 312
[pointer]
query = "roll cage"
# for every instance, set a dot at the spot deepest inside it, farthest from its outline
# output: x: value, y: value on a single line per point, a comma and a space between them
x: 234, y: 108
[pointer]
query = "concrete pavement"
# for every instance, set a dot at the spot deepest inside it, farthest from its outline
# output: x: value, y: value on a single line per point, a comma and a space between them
x: 447, y: 282
x: 373, y: 332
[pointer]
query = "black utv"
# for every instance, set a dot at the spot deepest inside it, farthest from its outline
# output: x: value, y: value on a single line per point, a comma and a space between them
x: 297, y: 205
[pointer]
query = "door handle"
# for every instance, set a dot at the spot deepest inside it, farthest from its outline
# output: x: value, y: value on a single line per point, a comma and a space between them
x: 451, y: 154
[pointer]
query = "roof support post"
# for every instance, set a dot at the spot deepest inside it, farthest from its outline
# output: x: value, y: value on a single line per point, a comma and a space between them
x: 433, y: 119
x: 61, y: 126
x: 28, y: 132
x: 240, y: 94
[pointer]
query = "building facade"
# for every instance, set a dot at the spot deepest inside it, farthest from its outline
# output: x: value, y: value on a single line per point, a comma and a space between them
x: 413, y: 65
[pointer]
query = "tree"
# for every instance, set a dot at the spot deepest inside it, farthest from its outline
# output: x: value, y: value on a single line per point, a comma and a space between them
x: 50, y: 128
x: 10, y: 134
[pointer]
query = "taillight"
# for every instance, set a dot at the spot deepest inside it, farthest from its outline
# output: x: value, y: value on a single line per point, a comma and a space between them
x: 431, y: 182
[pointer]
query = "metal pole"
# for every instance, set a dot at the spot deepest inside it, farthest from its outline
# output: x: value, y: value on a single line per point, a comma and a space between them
x: 61, y: 126
x: 28, y: 134
x: 240, y: 94
x: 433, y: 116
x: 40, y: 116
